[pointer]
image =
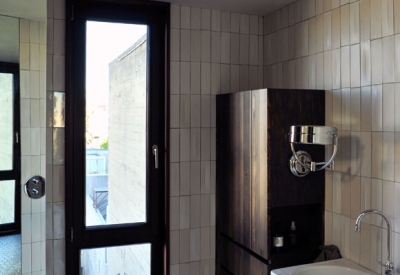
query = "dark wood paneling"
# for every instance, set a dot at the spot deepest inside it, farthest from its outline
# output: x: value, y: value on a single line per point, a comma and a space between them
x: 234, y: 172
x: 286, y: 108
x: 257, y: 195
x: 238, y: 261
x: 260, y: 242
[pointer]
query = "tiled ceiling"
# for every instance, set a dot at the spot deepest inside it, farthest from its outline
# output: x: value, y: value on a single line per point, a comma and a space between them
x: 258, y: 7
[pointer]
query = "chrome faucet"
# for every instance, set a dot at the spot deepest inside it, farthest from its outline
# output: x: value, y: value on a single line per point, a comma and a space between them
x: 389, y: 264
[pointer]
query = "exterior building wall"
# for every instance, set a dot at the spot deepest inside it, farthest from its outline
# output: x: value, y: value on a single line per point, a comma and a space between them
x: 350, y: 49
x: 127, y: 155
x: 127, y: 138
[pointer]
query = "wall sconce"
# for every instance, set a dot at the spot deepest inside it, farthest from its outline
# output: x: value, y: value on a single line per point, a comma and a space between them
x: 301, y: 163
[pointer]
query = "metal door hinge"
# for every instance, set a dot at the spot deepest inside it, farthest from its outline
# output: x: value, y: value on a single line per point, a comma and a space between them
x: 72, y: 12
x: 72, y: 234
x: 16, y: 137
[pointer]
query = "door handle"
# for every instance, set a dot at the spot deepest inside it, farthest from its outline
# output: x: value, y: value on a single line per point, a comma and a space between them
x: 154, y: 149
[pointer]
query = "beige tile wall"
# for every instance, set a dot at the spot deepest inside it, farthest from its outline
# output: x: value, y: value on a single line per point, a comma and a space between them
x: 33, y: 149
x: 212, y: 52
x: 55, y: 124
x: 351, y: 49
x: 345, y: 47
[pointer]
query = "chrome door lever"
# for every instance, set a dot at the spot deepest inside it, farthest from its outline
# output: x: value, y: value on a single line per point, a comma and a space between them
x: 154, y: 149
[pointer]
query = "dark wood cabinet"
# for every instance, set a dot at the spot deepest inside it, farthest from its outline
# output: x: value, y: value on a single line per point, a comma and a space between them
x: 257, y: 195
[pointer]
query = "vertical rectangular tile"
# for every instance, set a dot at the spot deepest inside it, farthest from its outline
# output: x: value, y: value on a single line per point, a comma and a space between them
x: 388, y: 107
x: 365, y: 20
x: 355, y: 197
x: 355, y: 109
x: 174, y: 77
x: 195, y: 18
x: 365, y: 249
x: 195, y: 45
x: 397, y: 110
x: 336, y: 69
x: 397, y: 58
x: 336, y: 28
x: 319, y: 33
x: 376, y: 154
x: 337, y: 109
x: 366, y: 109
x: 345, y: 66
x: 205, y: 19
x: 328, y: 70
x: 195, y: 77
x: 225, y: 47
x: 377, y: 108
x: 366, y: 197
x: 244, y: 24
x: 175, y: 19
x: 388, y: 60
x: 205, y: 46
x: 366, y: 63
x: 376, y: 19
x: 387, y: 17
x: 185, y: 17
x: 355, y: 23
x: 345, y: 25
x: 185, y: 45
x: 312, y: 79
x: 396, y: 16
x: 327, y: 31
x: 376, y: 61
x: 355, y: 66
x: 311, y: 36
x: 388, y: 156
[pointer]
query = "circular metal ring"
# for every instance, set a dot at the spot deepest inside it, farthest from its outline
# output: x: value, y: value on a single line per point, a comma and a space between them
x: 296, y: 168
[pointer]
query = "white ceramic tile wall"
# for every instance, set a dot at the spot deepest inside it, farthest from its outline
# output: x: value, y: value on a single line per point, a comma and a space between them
x: 33, y: 148
x: 357, y: 45
x: 212, y: 52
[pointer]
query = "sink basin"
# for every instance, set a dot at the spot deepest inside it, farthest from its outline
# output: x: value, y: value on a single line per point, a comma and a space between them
x: 334, y: 267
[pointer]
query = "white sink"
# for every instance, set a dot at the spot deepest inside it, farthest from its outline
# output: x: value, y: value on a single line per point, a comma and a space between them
x: 334, y: 267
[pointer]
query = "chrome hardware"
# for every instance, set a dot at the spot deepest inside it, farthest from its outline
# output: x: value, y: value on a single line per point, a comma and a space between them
x: 389, y: 264
x: 296, y: 168
x: 154, y: 149
x: 300, y: 162
x: 35, y: 187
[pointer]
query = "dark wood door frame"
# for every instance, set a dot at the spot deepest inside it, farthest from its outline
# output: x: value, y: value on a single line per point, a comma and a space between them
x: 156, y: 15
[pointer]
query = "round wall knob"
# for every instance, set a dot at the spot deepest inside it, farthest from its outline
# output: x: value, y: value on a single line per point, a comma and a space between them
x: 34, y: 187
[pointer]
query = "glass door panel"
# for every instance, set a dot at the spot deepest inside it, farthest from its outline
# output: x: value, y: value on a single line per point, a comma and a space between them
x: 123, y: 260
x: 7, y: 202
x: 116, y: 97
x: 6, y: 121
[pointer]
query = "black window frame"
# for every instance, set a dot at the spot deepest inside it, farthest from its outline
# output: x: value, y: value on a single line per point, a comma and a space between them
x: 77, y: 236
x: 15, y: 172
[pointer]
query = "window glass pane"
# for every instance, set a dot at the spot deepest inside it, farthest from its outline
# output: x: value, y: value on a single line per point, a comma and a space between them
x: 129, y: 259
x: 10, y: 254
x: 6, y: 121
x: 116, y: 56
x: 7, y: 201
